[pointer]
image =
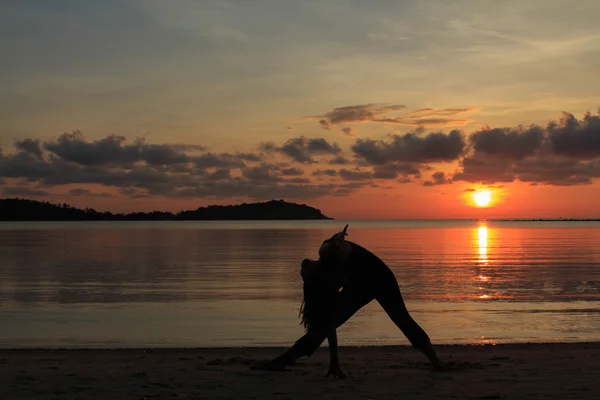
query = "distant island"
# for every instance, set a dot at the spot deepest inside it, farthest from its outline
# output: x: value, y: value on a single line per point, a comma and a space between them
x: 17, y: 209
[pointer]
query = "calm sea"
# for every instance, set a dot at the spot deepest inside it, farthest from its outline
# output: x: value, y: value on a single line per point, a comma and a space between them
x: 156, y: 284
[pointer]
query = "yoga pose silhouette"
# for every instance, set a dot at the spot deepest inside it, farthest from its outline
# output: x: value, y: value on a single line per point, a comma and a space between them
x: 362, y: 277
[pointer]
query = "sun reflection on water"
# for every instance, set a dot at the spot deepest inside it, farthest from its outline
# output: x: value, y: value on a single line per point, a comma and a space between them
x: 482, y: 236
x: 482, y: 244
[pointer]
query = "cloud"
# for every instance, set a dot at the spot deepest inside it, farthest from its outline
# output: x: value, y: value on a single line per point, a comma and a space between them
x: 411, y: 148
x: 139, y: 169
x: 439, y: 178
x: 484, y: 170
x: 24, y: 191
x: 508, y: 143
x: 328, y: 172
x: 262, y: 174
x: 78, y: 192
x: 302, y: 149
x: 392, y: 170
x: 565, y: 153
x: 218, y: 175
x: 30, y: 146
x: 251, y: 157
x: 112, y: 150
x: 348, y: 131
x: 354, y: 114
x: 212, y: 160
x: 339, y: 160
x: 292, y: 172
x: 374, y: 113
x: 573, y: 138
x: 557, y: 171
x: 345, y: 174
x: 355, y: 175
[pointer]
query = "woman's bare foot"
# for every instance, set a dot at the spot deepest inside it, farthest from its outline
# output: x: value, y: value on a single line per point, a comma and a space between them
x: 336, y: 372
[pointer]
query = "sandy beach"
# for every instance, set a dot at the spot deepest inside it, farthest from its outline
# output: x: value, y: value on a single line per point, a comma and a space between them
x: 520, y: 371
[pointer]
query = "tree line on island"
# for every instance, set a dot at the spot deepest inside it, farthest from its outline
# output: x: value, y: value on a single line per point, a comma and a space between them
x: 17, y: 209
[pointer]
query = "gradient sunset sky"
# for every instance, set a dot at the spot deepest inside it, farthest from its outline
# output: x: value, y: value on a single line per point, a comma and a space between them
x: 363, y: 109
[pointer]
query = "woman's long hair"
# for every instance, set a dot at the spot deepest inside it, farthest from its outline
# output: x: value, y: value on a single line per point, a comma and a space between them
x: 319, y: 297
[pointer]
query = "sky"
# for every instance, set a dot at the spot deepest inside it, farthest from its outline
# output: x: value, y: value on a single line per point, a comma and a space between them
x: 365, y: 110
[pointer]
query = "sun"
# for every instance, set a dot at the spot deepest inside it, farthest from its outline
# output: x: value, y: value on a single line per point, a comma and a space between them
x: 482, y: 198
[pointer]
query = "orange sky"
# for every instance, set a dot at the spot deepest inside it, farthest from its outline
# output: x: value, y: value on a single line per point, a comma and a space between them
x: 394, y: 111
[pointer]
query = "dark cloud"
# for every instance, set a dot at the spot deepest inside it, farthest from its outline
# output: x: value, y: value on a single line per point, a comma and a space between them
x: 321, y: 146
x: 212, y: 160
x: 328, y: 172
x: 78, y: 192
x: 292, y: 171
x: 354, y: 175
x: 364, y: 113
x: 251, y: 157
x: 161, y: 172
x: 109, y: 150
x: 112, y: 150
x: 411, y: 148
x: 563, y: 153
x: 508, y: 143
x: 24, y: 191
x: 348, y: 131
x: 484, y: 170
x: 438, y: 178
x: 574, y: 138
x: 339, y: 160
x: 557, y: 171
x: 262, y: 174
x: 566, y: 153
x: 30, y: 146
x: 297, y: 180
x: 302, y: 149
x: 354, y: 114
x: 218, y: 175
x: 549, y: 170
x: 392, y: 170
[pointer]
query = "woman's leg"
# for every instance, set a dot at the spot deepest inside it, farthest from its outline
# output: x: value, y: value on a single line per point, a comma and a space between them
x: 349, y: 302
x: 390, y: 299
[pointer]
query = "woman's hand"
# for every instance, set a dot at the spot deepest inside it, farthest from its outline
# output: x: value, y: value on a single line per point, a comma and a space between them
x: 336, y: 371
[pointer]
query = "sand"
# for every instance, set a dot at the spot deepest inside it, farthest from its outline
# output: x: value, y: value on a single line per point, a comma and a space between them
x: 523, y: 371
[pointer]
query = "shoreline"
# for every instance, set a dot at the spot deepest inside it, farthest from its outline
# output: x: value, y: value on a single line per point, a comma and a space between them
x: 283, y: 347
x: 475, y: 371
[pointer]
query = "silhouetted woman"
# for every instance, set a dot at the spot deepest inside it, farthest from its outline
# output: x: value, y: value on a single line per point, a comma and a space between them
x: 363, y: 277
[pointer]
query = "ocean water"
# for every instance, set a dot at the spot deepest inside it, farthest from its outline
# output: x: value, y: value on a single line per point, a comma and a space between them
x: 181, y: 284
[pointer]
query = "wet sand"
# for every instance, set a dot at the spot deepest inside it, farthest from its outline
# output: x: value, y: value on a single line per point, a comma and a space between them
x: 521, y: 371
